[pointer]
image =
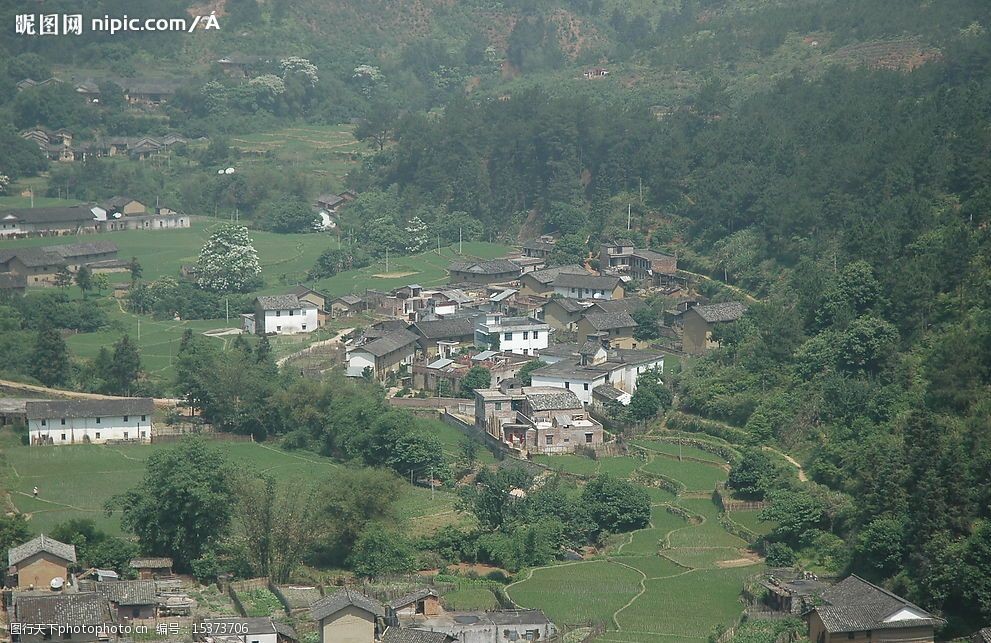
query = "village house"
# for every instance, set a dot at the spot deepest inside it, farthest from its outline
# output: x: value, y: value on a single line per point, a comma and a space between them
x: 519, y: 335
x: 347, y: 305
x: 563, y: 313
x: 444, y: 336
x: 56, y: 145
x: 444, y: 374
x: 536, y: 419
x: 595, y: 72
x: 653, y: 268
x: 38, y: 562
x: 281, y: 315
x: 123, y: 205
x: 423, y: 601
x: 447, y: 302
x: 38, y: 265
x: 614, y: 330
x: 89, y: 90
x: 318, y: 299
x: 152, y: 567
x: 245, y: 629
x: 700, y: 321
x: 74, y: 219
x: 347, y: 616
x: 586, y: 286
x: 495, y: 271
x: 597, y: 366
x: 529, y: 264
x: 238, y: 64
x: 13, y: 283
x: 129, y: 599
x: 540, y: 248
x: 383, y: 355
x: 150, y: 92
x: 61, y: 422
x: 64, y: 616
x: 857, y: 610
x: 540, y: 282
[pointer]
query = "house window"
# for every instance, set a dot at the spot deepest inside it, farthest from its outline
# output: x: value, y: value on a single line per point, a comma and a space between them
x: 536, y: 334
x: 278, y: 329
x: 588, y: 438
x: 44, y: 422
x: 567, y: 385
x: 278, y: 313
x: 144, y: 417
x: 97, y: 420
x: 498, y: 406
x: 144, y: 434
x: 97, y: 435
x: 304, y: 326
x: 507, y: 336
x: 526, y: 335
x: 63, y: 436
x: 585, y: 385
x: 526, y: 351
x: 125, y: 418
x: 549, y: 439
x: 125, y: 435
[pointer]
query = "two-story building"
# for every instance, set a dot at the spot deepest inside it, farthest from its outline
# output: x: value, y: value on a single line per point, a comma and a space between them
x: 700, y: 321
x: 540, y: 282
x: 655, y: 268
x: 519, y: 335
x: 597, y: 366
x: 614, y: 330
x: 382, y: 355
x: 62, y: 422
x: 586, y: 286
x: 281, y: 315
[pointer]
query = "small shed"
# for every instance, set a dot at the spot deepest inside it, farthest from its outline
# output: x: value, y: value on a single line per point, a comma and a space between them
x: 152, y: 567
x: 423, y: 601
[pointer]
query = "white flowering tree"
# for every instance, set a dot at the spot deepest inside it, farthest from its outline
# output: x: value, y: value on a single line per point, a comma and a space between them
x: 299, y: 67
x: 416, y: 235
x: 4, y: 182
x: 228, y: 261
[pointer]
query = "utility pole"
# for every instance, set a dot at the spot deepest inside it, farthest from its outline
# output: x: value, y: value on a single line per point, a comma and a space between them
x: 139, y: 329
x: 460, y: 243
x: 629, y: 215
x: 227, y: 307
x: 431, y: 482
x: 387, y: 259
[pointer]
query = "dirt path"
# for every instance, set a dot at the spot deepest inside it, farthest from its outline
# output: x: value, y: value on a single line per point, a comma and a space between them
x: 801, y: 470
x: 736, y: 289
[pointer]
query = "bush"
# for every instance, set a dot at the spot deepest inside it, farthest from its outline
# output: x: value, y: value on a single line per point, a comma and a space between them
x: 779, y: 555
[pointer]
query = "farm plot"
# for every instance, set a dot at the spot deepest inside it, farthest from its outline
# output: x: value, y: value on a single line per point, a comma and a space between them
x: 682, y: 450
x: 749, y: 519
x: 470, y: 598
x: 694, y: 475
x: 578, y: 593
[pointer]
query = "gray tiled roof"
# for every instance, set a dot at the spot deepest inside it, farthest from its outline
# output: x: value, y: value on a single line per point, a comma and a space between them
x: 286, y: 630
x: 33, y: 257
x: 117, y: 202
x: 66, y: 609
x: 282, y: 302
x: 548, y: 275
x: 518, y: 617
x: 855, y: 605
x: 40, y: 544
x: 68, y: 214
x: 336, y: 602
x: 444, y: 328
x: 551, y: 399
x: 983, y: 636
x: 714, y: 313
x: 73, y: 250
x: 607, y: 321
x: 412, y: 597
x: 389, y: 342
x: 587, y: 281
x: 608, y: 392
x: 128, y: 592
x: 46, y: 409
x: 409, y: 635
x: 624, y: 305
x: 569, y: 305
x: 160, y: 562
x: 493, y: 267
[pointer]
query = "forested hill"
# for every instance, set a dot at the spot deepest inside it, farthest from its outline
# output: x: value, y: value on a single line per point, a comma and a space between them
x: 857, y: 205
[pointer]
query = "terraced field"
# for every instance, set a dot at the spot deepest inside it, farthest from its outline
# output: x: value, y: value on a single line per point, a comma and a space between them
x: 675, y: 580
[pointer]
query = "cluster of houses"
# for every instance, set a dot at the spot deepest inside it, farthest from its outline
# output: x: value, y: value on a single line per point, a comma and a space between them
x: 39, y: 265
x: 135, y: 92
x: 113, y: 215
x: 44, y: 599
x: 58, y: 145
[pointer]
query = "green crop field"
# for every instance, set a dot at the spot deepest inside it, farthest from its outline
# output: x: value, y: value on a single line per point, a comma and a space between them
x: 676, y: 449
x: 694, y: 475
x: 587, y: 592
x: 76, y: 481
x: 690, y: 569
x: 326, y: 151
x: 470, y: 598
x: 750, y: 520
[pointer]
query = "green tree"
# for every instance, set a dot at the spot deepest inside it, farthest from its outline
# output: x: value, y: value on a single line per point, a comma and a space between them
x: 63, y: 278
x: 101, y: 282
x: 352, y: 501
x: 135, y: 269
x: 477, y: 377
x: 616, y: 505
x: 84, y: 279
x: 381, y: 551
x: 13, y: 531
x: 182, y: 504
x: 751, y: 474
x: 124, y: 367
x: 50, y: 359
x: 526, y: 371
x: 646, y: 319
x: 880, y: 548
x: 288, y: 214
x: 794, y: 512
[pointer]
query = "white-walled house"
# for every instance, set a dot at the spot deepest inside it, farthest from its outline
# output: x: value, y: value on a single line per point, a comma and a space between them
x: 245, y: 629
x: 90, y: 421
x: 281, y: 315
x: 597, y: 366
x: 517, y: 335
